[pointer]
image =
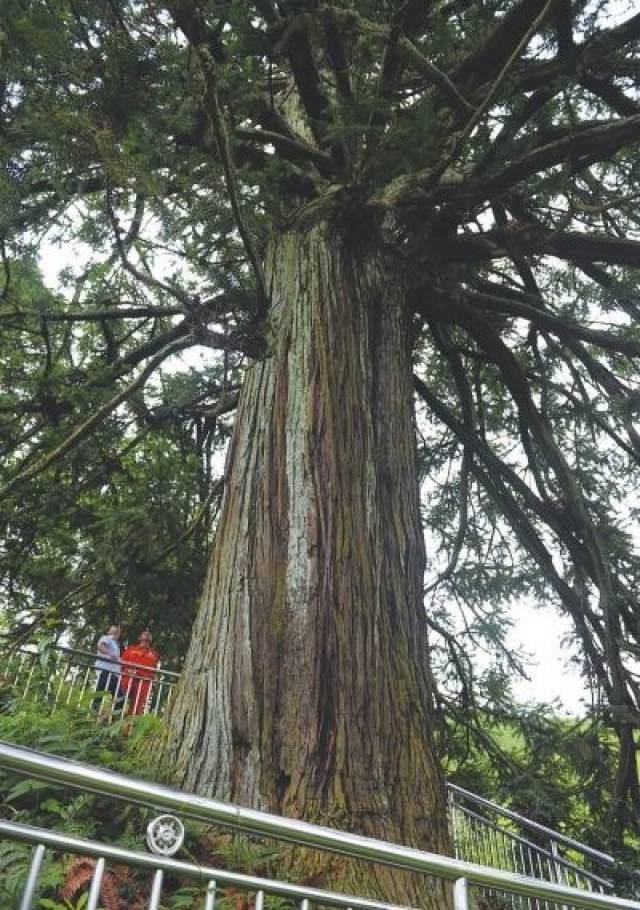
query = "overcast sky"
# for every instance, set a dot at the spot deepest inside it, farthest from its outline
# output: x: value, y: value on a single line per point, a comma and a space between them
x: 539, y: 631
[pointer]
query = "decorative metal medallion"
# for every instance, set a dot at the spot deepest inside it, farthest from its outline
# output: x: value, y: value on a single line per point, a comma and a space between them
x: 165, y: 835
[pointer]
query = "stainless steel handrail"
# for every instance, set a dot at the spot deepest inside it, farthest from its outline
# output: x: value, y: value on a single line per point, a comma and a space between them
x: 92, y: 656
x: 110, y: 783
x: 534, y: 826
x: 70, y: 844
x: 477, y: 845
x: 561, y: 860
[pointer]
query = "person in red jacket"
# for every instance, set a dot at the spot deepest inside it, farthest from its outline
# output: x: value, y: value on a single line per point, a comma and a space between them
x: 136, y: 681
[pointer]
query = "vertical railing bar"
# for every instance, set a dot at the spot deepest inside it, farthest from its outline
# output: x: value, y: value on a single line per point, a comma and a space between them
x: 152, y: 706
x: 138, y: 699
x: 259, y: 902
x: 471, y: 840
x: 134, y: 686
x: 147, y: 707
x: 73, y: 675
x: 455, y: 827
x: 47, y: 689
x: 26, y: 688
x: 96, y: 884
x: 464, y: 848
x: 210, y: 898
x: 523, y: 857
x: 537, y: 871
x: 511, y: 853
x: 156, y: 709
x: 304, y: 904
x: 461, y: 894
x: 540, y: 860
x: 28, y: 664
x: 514, y: 866
x: 56, y: 697
x: 156, y: 890
x: 507, y: 857
x: 479, y: 843
x: 499, y: 839
x: 509, y: 864
x: 504, y: 840
x: 495, y: 838
x: 480, y: 847
x: 486, y: 836
x: 559, y: 870
x: 32, y: 878
x: 493, y: 851
x: 108, y: 714
x: 120, y: 700
x: 512, y: 863
x: 69, y: 678
x: 486, y: 845
x: 83, y: 687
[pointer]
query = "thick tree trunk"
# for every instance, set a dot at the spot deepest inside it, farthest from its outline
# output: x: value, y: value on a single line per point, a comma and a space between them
x: 305, y: 689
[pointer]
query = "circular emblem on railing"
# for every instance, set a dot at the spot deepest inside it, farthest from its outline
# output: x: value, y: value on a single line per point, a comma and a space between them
x: 165, y: 835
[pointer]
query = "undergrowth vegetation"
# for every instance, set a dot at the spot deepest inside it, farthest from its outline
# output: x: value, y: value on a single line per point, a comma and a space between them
x: 120, y: 746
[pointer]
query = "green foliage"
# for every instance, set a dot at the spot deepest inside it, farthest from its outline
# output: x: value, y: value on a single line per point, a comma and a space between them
x: 110, y: 534
x: 494, y: 161
x: 558, y: 771
x: 74, y: 733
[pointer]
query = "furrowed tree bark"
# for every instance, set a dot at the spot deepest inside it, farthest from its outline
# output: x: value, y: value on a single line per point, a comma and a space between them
x: 305, y: 689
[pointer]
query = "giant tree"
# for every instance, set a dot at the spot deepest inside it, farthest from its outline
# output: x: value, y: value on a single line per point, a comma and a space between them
x: 373, y: 204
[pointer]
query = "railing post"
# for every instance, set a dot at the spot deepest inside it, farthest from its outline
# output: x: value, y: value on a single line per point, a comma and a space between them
x: 461, y: 894
x: 32, y: 878
x: 210, y: 899
x: 557, y: 866
x: 453, y: 822
x: 156, y: 890
x: 96, y: 883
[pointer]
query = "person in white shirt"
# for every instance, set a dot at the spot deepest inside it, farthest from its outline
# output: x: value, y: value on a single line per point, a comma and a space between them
x: 107, y: 666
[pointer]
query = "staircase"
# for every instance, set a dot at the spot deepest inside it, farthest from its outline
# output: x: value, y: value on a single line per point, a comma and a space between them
x: 487, y: 833
x: 484, y: 834
x: 166, y: 833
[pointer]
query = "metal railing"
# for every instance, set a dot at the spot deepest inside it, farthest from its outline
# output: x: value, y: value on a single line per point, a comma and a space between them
x: 484, y: 832
x: 481, y: 831
x: 70, y: 678
x: 166, y: 832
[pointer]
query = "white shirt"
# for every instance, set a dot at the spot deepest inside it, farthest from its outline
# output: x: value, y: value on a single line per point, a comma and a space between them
x: 102, y: 663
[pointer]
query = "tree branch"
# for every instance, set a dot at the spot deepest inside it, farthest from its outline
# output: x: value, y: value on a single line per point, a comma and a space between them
x: 85, y: 428
x: 531, y: 238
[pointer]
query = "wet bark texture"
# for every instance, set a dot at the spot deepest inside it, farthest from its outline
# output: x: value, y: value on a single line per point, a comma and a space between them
x: 305, y: 690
